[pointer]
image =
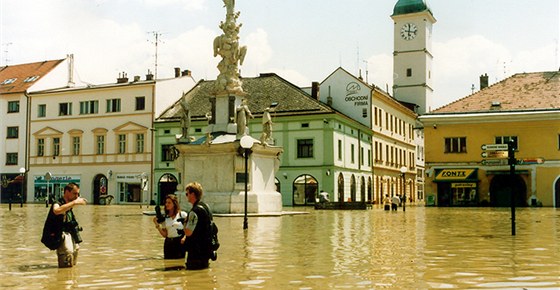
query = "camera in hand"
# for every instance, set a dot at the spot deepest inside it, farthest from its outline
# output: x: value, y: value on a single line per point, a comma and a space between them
x: 160, y: 218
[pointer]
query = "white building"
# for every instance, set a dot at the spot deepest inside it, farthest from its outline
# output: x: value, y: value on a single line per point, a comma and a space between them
x: 17, y: 82
x: 99, y: 136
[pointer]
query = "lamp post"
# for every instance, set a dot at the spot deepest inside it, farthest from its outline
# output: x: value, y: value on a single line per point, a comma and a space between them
x: 48, y: 177
x: 403, y: 172
x: 22, y: 172
x: 246, y: 143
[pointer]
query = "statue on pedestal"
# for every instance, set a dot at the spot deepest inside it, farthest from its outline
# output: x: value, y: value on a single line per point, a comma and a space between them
x: 227, y: 46
x: 266, y: 135
x: 185, y: 119
x: 243, y: 114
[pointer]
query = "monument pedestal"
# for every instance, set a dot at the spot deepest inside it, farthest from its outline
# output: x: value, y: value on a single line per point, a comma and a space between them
x: 220, y: 168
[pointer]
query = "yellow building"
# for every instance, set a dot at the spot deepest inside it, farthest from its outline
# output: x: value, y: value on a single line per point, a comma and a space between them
x: 523, y: 109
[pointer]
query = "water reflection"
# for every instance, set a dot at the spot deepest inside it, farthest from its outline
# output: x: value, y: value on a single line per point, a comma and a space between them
x: 422, y: 248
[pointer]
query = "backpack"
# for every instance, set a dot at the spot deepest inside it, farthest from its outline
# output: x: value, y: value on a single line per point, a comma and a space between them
x: 52, y: 231
x: 213, y: 242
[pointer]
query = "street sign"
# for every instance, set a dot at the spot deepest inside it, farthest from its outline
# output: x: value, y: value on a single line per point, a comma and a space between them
x: 495, y: 154
x: 495, y: 147
x: 527, y: 161
x: 495, y: 162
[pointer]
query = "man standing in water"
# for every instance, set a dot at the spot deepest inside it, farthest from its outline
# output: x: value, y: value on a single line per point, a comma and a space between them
x: 197, y: 229
x: 62, y: 210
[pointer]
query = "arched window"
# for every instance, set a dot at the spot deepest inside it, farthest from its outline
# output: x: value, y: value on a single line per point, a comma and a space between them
x: 353, y: 188
x: 340, y: 187
x: 362, y: 189
x: 305, y: 190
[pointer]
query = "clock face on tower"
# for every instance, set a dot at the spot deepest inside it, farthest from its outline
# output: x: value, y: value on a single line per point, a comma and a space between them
x: 408, y: 31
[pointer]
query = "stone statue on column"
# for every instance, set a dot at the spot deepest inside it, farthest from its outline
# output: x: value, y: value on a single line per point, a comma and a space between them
x: 227, y: 46
x: 185, y: 119
x: 243, y: 114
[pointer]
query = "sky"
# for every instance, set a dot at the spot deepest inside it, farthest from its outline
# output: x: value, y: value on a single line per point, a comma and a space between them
x: 300, y: 40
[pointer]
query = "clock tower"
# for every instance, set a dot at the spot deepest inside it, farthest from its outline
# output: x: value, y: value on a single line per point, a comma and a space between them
x: 412, y: 55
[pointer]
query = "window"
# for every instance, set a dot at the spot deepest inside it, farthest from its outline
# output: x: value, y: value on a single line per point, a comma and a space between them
x: 56, y: 146
x: 41, y: 111
x: 506, y: 139
x: 75, y: 145
x: 140, y: 103
x: 369, y: 157
x: 408, y: 72
x: 8, y: 81
x: 305, y: 148
x: 364, y: 112
x: 12, y: 132
x: 41, y: 147
x: 65, y: 109
x: 352, y: 154
x: 122, y: 143
x: 305, y: 125
x: 362, y: 156
x: 11, y: 158
x: 13, y: 106
x: 167, y: 153
x: 456, y: 145
x: 89, y: 107
x: 100, y: 144
x: 113, y: 105
x: 30, y: 79
x: 339, y: 149
x: 139, y: 143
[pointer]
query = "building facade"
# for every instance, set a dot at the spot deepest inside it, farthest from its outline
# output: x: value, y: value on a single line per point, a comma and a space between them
x: 99, y: 136
x: 17, y: 82
x: 323, y: 149
x: 523, y: 109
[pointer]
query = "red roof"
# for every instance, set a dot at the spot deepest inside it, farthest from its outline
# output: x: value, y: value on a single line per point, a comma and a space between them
x: 520, y: 92
x: 18, y: 78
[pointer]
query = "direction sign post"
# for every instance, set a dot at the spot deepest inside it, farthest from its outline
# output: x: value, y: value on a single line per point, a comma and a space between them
x: 495, y: 147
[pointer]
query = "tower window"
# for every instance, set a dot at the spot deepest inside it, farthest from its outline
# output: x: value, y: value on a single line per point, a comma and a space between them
x: 408, y: 72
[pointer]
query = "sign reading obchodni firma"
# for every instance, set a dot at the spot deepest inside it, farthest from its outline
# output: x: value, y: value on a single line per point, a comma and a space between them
x: 356, y: 97
x: 457, y: 186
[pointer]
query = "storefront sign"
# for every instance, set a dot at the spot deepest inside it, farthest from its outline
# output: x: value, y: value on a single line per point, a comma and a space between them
x: 129, y: 177
x: 455, y: 174
x: 463, y: 185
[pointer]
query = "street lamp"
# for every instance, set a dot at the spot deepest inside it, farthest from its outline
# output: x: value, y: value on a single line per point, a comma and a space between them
x: 22, y: 172
x: 403, y: 171
x: 48, y: 177
x: 246, y: 143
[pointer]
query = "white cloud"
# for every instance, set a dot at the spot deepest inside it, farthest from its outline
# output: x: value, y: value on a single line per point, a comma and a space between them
x: 189, y: 5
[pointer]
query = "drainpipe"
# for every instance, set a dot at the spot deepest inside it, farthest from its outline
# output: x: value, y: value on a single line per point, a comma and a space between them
x: 27, y: 138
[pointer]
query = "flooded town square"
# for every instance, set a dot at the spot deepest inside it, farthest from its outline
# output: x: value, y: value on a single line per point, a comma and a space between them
x: 421, y: 248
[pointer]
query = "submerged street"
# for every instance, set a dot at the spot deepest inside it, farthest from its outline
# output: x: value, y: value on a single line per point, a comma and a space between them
x: 422, y: 248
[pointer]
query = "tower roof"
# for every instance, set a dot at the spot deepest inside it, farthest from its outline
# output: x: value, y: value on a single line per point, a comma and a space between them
x: 410, y: 6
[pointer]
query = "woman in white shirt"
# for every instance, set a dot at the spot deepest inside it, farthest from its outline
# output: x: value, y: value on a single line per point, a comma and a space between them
x: 172, y: 228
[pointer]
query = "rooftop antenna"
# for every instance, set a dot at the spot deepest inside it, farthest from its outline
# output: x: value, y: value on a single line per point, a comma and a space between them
x: 6, y: 59
x: 156, y: 41
x: 366, y: 62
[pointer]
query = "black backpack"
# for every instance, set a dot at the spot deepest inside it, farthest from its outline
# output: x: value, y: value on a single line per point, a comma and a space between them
x: 213, y: 241
x: 52, y: 230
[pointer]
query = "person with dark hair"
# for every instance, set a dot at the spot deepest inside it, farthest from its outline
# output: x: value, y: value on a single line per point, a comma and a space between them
x: 61, y: 210
x: 197, y: 229
x: 171, y: 228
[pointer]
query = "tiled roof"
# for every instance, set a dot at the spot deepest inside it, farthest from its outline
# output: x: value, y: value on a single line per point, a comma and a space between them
x: 520, y: 92
x: 261, y: 92
x: 24, y: 75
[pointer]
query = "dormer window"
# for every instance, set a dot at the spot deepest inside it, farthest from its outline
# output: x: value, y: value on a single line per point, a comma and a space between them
x: 30, y: 79
x: 8, y: 81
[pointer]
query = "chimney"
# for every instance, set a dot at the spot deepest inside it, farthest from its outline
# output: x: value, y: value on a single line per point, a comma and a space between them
x: 136, y: 78
x: 177, y: 72
x: 70, y: 58
x: 186, y: 73
x: 483, y: 81
x: 315, y: 90
x: 149, y: 76
x: 122, y: 78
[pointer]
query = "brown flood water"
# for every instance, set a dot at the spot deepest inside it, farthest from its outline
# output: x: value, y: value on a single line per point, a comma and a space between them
x: 422, y: 248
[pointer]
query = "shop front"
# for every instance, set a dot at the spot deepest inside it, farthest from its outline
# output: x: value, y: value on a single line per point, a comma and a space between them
x: 131, y: 187
x: 457, y: 186
x: 52, y: 188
